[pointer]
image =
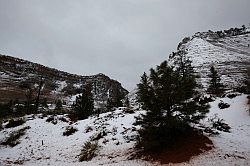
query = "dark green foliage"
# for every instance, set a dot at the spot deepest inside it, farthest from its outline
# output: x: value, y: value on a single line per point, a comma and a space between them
x: 5, y: 110
x: 1, y: 125
x: 114, y: 101
x: 44, y: 103
x: 39, y: 90
x: 69, y: 130
x: 89, y: 151
x: 58, y: 105
x: 110, y: 105
x: 84, y: 104
x: 163, y: 135
x: 13, y: 138
x: 50, y: 119
x: 15, y: 122
x: 166, y: 94
x: 215, y: 86
x: 12, y: 109
x: 185, y: 69
x: 247, y: 82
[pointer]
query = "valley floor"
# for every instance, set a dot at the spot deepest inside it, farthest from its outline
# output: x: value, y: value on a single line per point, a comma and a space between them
x: 117, y: 144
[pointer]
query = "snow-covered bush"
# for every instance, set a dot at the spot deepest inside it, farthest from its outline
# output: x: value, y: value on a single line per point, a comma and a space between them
x: 13, y: 138
x: 219, y: 124
x: 15, y: 122
x: 89, y: 151
x: 88, y: 129
x: 52, y: 119
x: 69, y: 130
x: 63, y: 119
x: 223, y: 105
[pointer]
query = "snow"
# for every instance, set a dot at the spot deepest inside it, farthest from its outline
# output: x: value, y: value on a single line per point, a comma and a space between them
x: 230, y: 148
x: 63, y: 150
x: 61, y: 85
x: 229, y: 55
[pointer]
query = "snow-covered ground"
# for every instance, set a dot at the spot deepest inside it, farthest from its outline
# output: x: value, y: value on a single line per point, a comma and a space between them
x: 229, y: 55
x: 230, y: 148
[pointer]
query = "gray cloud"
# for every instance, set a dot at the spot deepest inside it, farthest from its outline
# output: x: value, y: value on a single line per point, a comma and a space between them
x: 121, y: 38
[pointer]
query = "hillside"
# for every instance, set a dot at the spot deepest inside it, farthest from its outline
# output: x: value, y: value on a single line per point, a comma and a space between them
x: 44, y: 143
x: 15, y: 73
x: 228, y: 51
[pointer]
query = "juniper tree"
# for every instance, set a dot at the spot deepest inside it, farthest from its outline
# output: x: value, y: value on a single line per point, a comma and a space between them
x: 84, y: 104
x: 169, y: 106
x: 215, y: 86
x: 58, y: 104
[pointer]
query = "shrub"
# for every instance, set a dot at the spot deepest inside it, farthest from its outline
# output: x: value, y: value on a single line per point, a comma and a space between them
x: 52, y: 120
x: 13, y: 138
x: 223, y: 105
x: 89, y: 151
x: 69, y: 130
x: 219, y: 124
x: 15, y: 122
x: 88, y: 129
x: 63, y: 119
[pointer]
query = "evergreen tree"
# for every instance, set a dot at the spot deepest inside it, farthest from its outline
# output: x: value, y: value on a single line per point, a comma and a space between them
x: 44, y: 103
x: 247, y: 81
x: 184, y: 66
x: 215, y: 86
x: 110, y: 105
x: 84, y: 104
x: 58, y: 104
x: 37, y: 101
x: 169, y: 106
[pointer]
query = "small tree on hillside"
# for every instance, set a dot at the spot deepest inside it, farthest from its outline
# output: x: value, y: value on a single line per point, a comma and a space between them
x: 58, y: 105
x: 84, y: 104
x: 170, y: 109
x: 215, y: 86
x: 247, y: 81
x: 40, y: 86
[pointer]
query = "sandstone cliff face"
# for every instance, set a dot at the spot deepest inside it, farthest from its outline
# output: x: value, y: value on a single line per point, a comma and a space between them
x: 228, y: 51
x: 17, y: 74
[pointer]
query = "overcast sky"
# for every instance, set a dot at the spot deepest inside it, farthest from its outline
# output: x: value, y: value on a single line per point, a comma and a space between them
x: 120, y: 38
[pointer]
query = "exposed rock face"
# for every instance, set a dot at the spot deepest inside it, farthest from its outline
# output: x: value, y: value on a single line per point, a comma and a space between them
x: 17, y: 74
x: 228, y: 51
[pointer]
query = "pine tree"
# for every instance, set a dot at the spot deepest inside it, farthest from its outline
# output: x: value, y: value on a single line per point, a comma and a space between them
x: 37, y: 102
x: 58, y: 105
x: 184, y: 66
x: 110, y: 105
x: 84, y: 104
x: 215, y: 86
x: 169, y: 106
x: 247, y: 81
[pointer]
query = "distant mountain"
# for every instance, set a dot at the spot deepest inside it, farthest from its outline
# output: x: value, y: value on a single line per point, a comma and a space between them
x: 16, y: 74
x: 227, y: 50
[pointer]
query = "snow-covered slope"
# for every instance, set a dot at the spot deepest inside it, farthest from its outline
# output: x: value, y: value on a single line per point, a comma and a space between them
x: 64, y: 150
x: 117, y: 145
x: 230, y: 56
